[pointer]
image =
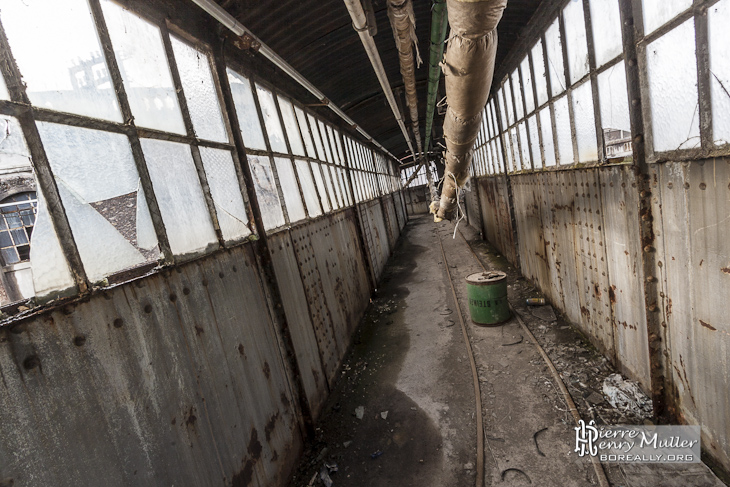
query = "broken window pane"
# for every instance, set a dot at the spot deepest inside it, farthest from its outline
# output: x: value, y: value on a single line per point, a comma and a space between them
x: 672, y: 72
x: 292, y: 130
x: 320, y: 187
x: 248, y: 118
x: 60, y: 57
x: 302, y: 119
x: 266, y: 192
x: 101, y: 200
x: 615, y: 111
x: 546, y: 127
x: 13, y: 151
x: 538, y: 65
x: 200, y: 92
x: 575, y: 38
x: 527, y: 84
x: 718, y: 17
x: 562, y: 126
x: 290, y: 189
x: 317, y: 138
x: 271, y: 119
x: 585, y: 122
x: 226, y: 193
x: 179, y: 196
x: 659, y: 12
x: 556, y: 68
x: 143, y: 64
x: 606, y: 26
x: 534, y: 142
x: 310, y: 192
x: 509, y: 102
x: 517, y: 90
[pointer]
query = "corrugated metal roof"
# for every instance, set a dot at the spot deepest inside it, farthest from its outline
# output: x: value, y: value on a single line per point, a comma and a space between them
x: 318, y: 40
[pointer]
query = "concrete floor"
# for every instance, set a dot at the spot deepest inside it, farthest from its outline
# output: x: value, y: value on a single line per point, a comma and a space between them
x: 409, y: 372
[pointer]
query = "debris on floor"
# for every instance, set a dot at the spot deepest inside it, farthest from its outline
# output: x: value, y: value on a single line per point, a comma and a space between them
x: 359, y: 412
x: 545, y: 313
x: 625, y: 394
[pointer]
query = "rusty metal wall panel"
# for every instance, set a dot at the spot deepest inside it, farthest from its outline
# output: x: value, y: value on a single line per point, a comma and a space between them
x: 301, y: 328
x: 391, y: 221
x: 474, y: 215
x: 417, y: 200
x: 376, y: 237
x: 178, y: 380
x: 692, y: 235
x: 623, y: 250
x: 400, y: 210
x: 497, y: 216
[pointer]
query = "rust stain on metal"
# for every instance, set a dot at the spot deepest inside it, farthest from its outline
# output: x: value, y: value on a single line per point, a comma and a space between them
x: 270, y: 426
x: 726, y: 270
x: 707, y: 325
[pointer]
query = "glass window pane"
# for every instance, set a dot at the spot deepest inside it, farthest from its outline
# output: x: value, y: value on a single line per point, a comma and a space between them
x: 336, y: 184
x: 310, y: 192
x: 290, y: 189
x: 60, y: 57
x: 9, y: 256
x: 527, y: 84
x: 333, y: 145
x: 556, y: 68
x: 538, y: 65
x: 200, y: 92
x: 226, y: 193
x: 248, y: 118
x: 718, y: 17
x: 508, y: 151
x: 330, y: 187
x: 606, y: 30
x: 13, y: 151
x: 509, y: 102
x: 659, y: 12
x: 524, y: 146
x: 325, y: 141
x: 317, y: 138
x: 575, y: 35
x: 292, y: 130
x: 672, y: 72
x: 562, y: 125
x: 112, y: 228
x: 500, y: 158
x: 142, y: 61
x: 345, y: 186
x: 546, y: 127
x: 338, y: 144
x: 266, y: 192
x: 615, y: 111
x: 179, y: 196
x: 271, y: 119
x: 585, y: 122
x: 514, y: 142
x: 302, y: 119
x: 502, y: 108
x: 517, y: 90
x: 4, y: 94
x: 320, y: 187
x: 534, y: 142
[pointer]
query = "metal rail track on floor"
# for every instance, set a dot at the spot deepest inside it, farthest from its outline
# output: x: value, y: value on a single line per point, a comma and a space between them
x: 598, y: 468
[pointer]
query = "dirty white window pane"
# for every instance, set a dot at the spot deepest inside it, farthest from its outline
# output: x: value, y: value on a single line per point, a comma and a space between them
x: 606, y: 26
x: 502, y: 109
x: 517, y: 90
x: 330, y: 187
x: 659, y: 12
x: 142, y: 61
x: 226, y: 193
x: 248, y: 118
x: 266, y: 192
x: 4, y: 94
x: 200, y: 92
x: 508, y: 151
x: 271, y: 119
x: 614, y: 101
x: 527, y: 84
x: 290, y: 189
x: 98, y: 183
x: 585, y: 122
x: 538, y: 65
x: 500, y: 157
x: 524, y: 146
x: 534, y: 142
x: 556, y: 68
x: 320, y: 186
x: 308, y: 143
x: 562, y: 126
x: 718, y: 17
x: 60, y: 57
x: 575, y: 38
x: 514, y: 142
x: 546, y: 127
x: 509, y: 102
x: 292, y: 130
x: 333, y: 145
x: 340, y: 151
x: 310, y: 192
x: 317, y: 139
x: 13, y: 151
x: 325, y: 141
x: 672, y: 70
x: 345, y: 186
x: 338, y: 190
x: 51, y: 273
x: 179, y: 196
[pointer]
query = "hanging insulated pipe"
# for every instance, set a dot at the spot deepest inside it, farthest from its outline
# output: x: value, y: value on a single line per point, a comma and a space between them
x: 468, y: 70
x: 403, y: 22
x: 360, y: 24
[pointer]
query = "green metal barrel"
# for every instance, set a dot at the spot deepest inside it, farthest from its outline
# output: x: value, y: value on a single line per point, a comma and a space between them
x: 487, y: 293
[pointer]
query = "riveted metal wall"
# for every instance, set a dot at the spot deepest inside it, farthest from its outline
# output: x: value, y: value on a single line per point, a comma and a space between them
x: 416, y: 200
x: 473, y: 212
x: 376, y: 235
x: 691, y: 209
x: 400, y: 210
x: 496, y: 215
x: 391, y: 220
